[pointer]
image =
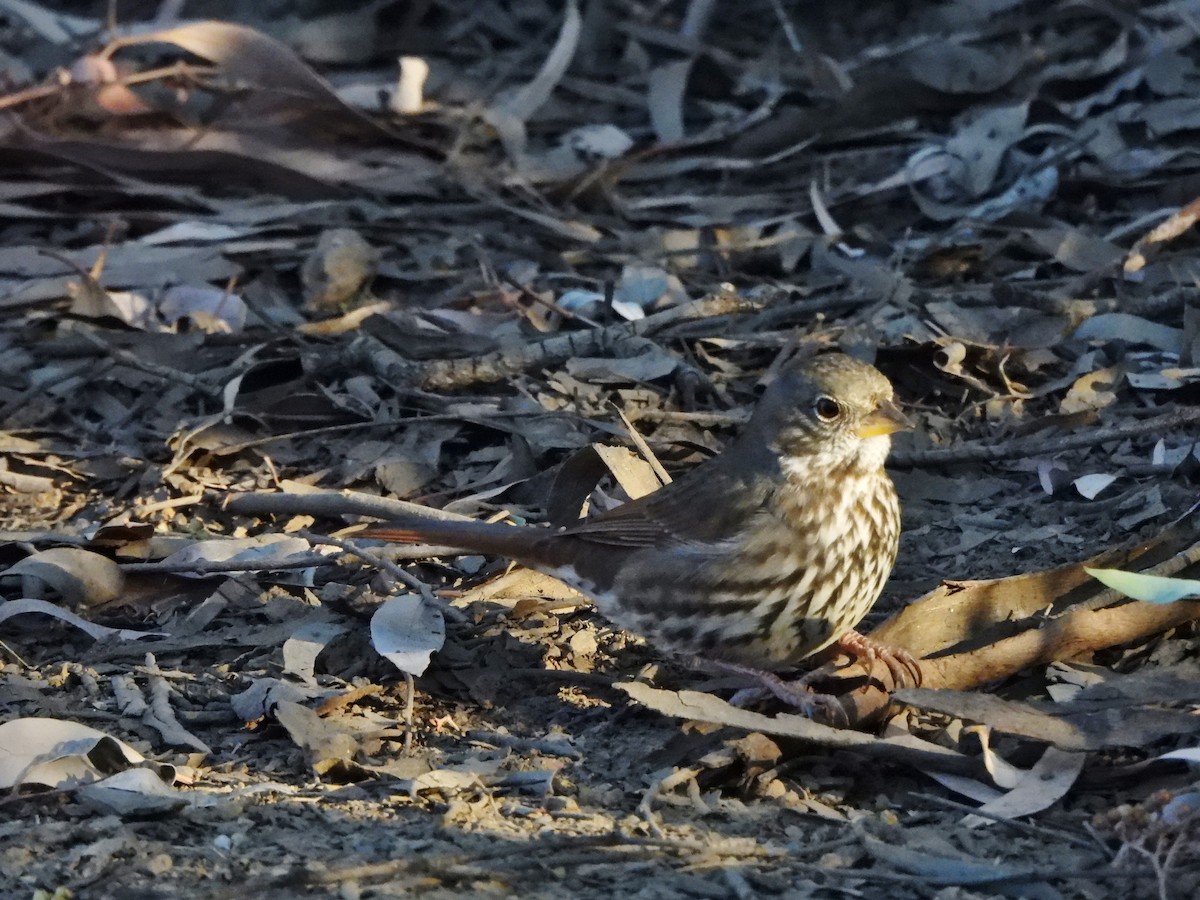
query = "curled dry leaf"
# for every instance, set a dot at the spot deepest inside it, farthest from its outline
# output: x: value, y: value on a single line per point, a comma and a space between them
x: 509, y: 116
x: 251, y: 58
x: 1042, y: 786
x: 80, y: 577
x: 31, y: 606
x: 57, y: 753
x: 409, y: 95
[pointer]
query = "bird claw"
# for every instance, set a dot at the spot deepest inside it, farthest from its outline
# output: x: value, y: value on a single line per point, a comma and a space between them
x: 810, y: 703
x: 797, y: 693
x: 902, y: 665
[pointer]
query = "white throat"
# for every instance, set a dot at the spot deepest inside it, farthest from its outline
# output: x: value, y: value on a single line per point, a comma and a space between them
x: 873, y: 452
x: 867, y: 458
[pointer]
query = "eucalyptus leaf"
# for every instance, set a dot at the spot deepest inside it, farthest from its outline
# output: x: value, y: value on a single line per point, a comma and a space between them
x: 1148, y: 588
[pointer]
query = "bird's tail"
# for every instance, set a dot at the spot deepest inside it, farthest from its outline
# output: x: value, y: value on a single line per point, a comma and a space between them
x: 519, y: 542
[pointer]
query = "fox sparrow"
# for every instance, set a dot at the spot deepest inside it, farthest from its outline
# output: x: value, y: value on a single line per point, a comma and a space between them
x: 755, y: 559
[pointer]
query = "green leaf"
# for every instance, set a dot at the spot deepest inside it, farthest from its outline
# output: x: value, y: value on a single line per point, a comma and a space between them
x: 1150, y: 588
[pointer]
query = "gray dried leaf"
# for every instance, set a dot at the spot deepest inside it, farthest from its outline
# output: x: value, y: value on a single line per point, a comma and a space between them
x: 1132, y: 329
x: 80, y: 577
x: 1090, y: 486
x: 258, y: 552
x: 301, y: 650
x: 1076, y: 250
x: 960, y: 69
x: 134, y: 792
x: 261, y: 698
x: 1030, y: 192
x: 981, y: 142
x: 665, y: 87
x: 945, y: 870
x: 321, y: 739
x: 648, y: 366
x: 407, y: 631
x: 212, y: 310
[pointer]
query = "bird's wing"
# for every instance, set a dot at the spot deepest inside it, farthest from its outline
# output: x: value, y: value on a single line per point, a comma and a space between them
x: 704, y: 507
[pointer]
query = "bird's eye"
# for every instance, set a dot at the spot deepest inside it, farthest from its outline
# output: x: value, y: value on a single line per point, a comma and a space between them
x: 827, y: 409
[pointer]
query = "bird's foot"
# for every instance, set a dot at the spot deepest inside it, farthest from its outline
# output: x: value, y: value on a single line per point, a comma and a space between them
x: 795, y: 693
x: 903, y: 666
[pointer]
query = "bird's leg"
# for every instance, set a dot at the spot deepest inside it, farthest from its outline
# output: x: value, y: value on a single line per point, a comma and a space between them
x: 810, y: 703
x: 903, y: 666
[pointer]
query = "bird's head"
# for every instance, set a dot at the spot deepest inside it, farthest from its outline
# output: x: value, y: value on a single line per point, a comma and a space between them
x: 830, y: 412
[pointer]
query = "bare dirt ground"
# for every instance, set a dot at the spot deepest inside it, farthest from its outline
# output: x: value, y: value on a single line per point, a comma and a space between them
x: 241, y: 256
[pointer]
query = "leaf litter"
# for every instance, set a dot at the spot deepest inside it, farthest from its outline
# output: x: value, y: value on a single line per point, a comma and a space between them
x: 243, y: 261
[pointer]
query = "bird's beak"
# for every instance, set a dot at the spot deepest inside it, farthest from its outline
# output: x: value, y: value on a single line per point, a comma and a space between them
x: 887, y: 419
